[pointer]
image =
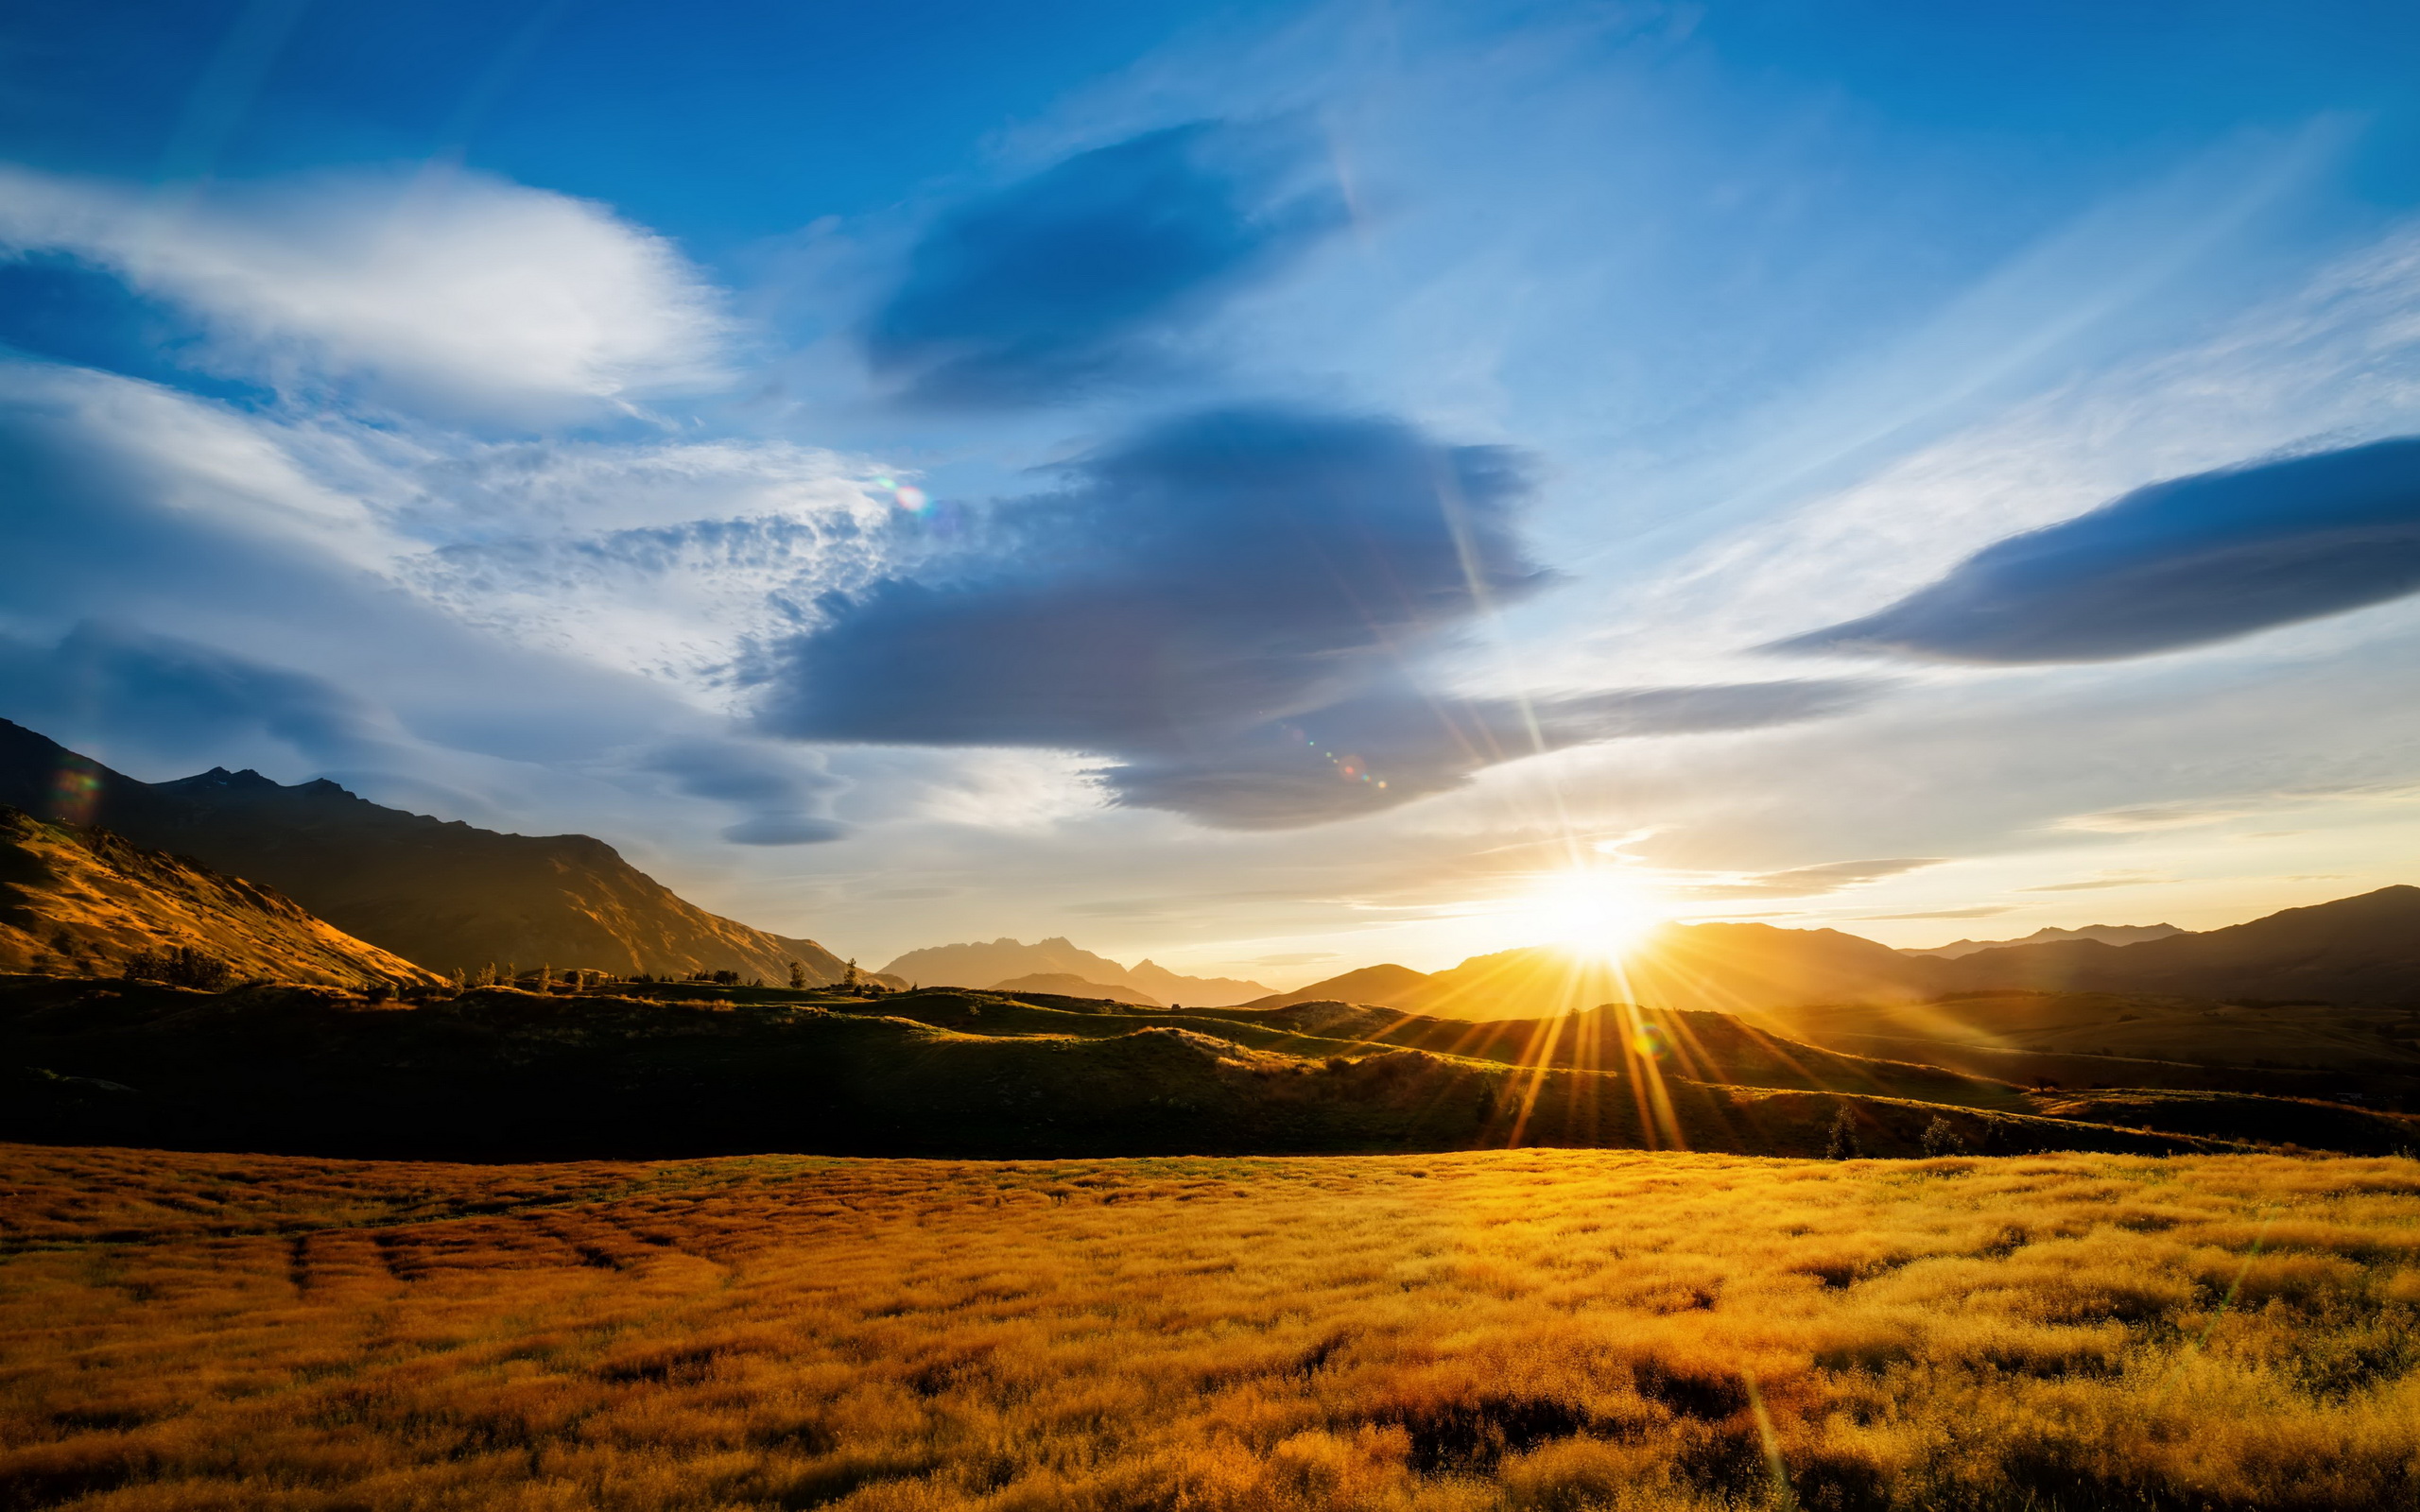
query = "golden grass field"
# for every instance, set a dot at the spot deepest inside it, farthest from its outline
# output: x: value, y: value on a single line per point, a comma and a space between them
x: 1532, y: 1329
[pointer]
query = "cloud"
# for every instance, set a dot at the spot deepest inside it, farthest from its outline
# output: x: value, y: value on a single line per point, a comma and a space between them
x: 779, y: 794
x: 1080, y: 276
x: 132, y: 682
x: 461, y: 292
x: 1804, y: 882
x: 1943, y: 913
x: 2181, y: 563
x: 2132, y: 878
x: 1226, y: 605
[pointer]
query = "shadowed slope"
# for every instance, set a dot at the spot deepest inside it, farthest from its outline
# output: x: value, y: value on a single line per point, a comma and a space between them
x: 85, y: 899
x: 443, y: 894
x: 502, y: 1073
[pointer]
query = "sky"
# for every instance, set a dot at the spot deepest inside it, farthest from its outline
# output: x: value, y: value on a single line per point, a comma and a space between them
x: 1268, y: 487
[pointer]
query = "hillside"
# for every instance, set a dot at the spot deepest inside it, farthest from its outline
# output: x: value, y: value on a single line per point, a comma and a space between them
x: 443, y: 894
x: 980, y: 963
x: 2352, y: 1041
x: 1061, y: 983
x: 683, y: 1068
x: 2107, y: 934
x: 83, y: 900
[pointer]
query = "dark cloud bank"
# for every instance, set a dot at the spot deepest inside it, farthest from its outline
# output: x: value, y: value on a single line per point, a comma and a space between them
x: 1226, y: 605
x: 1078, y: 277
x: 2176, y: 564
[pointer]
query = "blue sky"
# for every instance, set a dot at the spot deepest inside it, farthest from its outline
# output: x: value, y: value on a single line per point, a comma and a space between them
x: 1269, y: 488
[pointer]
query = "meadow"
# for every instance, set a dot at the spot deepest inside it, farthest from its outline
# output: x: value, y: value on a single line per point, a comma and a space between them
x: 1518, y: 1329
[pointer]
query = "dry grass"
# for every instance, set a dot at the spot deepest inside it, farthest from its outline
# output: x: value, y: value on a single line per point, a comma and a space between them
x: 1525, y: 1329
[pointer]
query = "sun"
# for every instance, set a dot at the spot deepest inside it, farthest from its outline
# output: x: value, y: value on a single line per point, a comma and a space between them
x: 1590, y: 915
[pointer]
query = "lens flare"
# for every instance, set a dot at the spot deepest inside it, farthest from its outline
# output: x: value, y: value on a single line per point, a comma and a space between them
x: 910, y: 497
x: 75, y: 792
x: 1650, y: 1042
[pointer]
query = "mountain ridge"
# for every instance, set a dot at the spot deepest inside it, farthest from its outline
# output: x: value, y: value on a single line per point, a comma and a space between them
x: 2361, y: 949
x: 440, y: 893
x: 2047, y: 935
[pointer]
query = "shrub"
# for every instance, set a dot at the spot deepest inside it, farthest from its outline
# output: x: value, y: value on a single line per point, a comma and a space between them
x: 1843, y: 1145
x: 798, y: 975
x: 181, y: 966
x: 1941, y: 1138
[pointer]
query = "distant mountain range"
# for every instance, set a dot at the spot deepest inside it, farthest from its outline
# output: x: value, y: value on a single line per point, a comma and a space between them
x: 987, y: 963
x: 2354, y: 949
x: 2107, y: 934
x: 441, y: 894
x: 2363, y: 949
x: 86, y: 901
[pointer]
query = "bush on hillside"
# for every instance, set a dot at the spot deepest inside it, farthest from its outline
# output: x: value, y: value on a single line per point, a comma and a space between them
x: 181, y: 966
x: 1842, y: 1145
x: 1941, y: 1138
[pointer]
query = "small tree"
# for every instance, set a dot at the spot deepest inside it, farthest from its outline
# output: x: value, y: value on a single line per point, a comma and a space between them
x: 849, y: 977
x: 1843, y: 1145
x: 1941, y: 1138
x: 797, y: 976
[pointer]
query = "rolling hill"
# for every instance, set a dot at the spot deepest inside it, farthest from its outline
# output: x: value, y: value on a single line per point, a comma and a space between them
x: 443, y: 894
x: 1060, y: 984
x: 83, y: 900
x: 686, y: 1069
x: 980, y: 963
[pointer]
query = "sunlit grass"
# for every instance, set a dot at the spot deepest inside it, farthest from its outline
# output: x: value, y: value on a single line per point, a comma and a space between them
x: 1523, y: 1329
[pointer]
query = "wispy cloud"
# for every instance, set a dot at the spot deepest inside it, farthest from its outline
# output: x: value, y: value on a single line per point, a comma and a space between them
x: 2126, y: 879
x: 460, y: 294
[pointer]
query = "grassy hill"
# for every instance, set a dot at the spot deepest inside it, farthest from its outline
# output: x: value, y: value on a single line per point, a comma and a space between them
x: 682, y: 1068
x: 84, y: 900
x: 2349, y: 1041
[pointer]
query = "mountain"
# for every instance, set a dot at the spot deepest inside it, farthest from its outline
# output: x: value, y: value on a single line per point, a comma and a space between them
x: 439, y: 893
x: 2364, y: 948
x: 2107, y: 934
x: 1060, y: 984
x: 1707, y: 968
x: 1385, y: 986
x: 83, y: 900
x: 980, y: 963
